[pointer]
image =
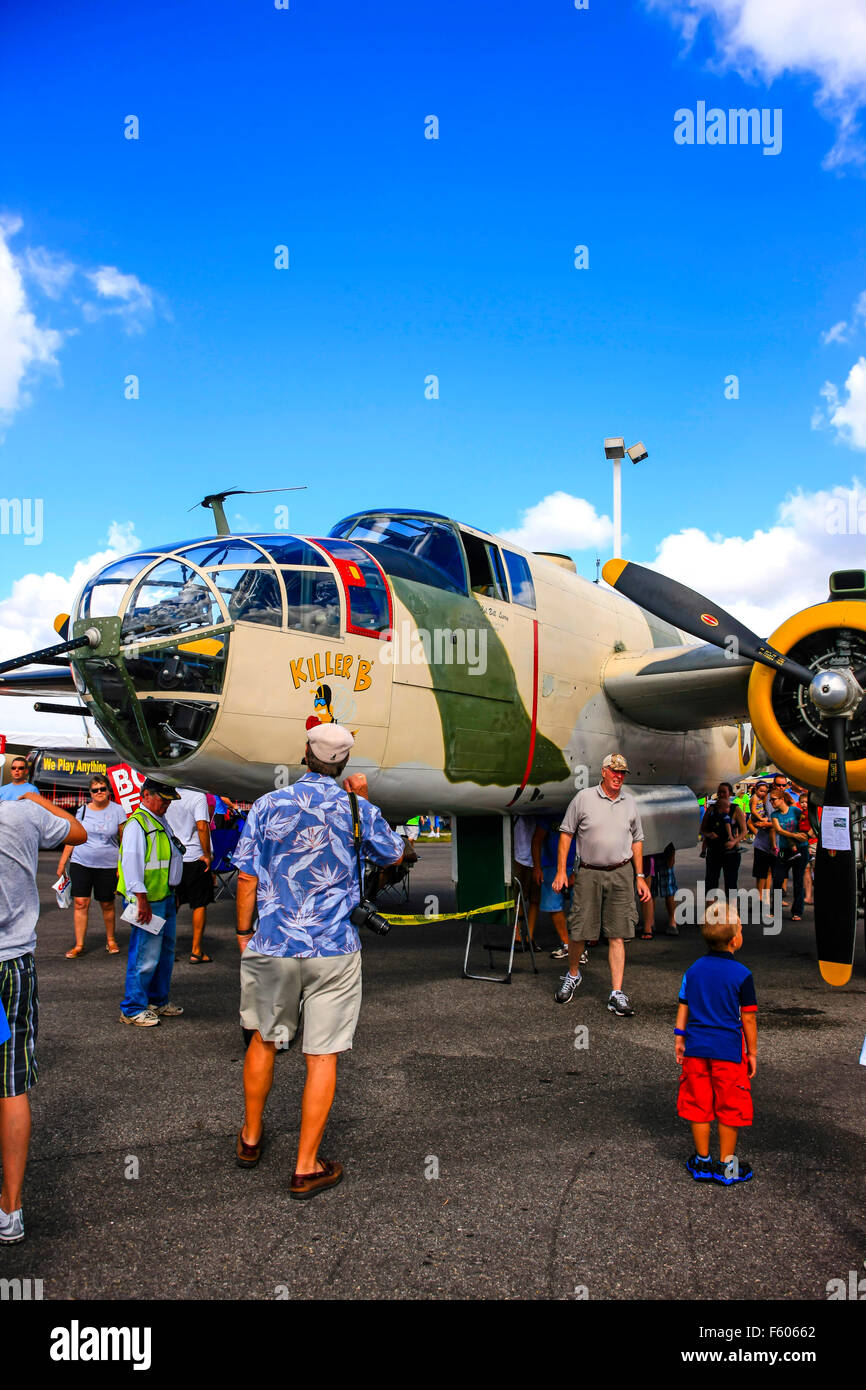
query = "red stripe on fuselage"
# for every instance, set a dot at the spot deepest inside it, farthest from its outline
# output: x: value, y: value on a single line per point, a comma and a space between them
x: 531, y: 753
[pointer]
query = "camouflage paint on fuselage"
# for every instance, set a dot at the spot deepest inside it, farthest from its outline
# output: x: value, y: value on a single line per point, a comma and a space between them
x: 486, y: 729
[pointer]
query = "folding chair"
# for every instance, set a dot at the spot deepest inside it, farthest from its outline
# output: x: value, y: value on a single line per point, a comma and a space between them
x: 387, y: 885
x: 519, y: 932
x: 224, y: 843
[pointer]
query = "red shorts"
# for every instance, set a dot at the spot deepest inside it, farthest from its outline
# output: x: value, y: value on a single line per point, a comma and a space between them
x: 714, y: 1090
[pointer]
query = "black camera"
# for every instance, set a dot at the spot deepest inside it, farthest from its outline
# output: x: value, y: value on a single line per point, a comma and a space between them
x: 365, y: 915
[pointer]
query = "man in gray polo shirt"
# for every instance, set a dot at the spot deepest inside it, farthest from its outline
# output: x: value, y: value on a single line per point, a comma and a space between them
x: 610, y: 845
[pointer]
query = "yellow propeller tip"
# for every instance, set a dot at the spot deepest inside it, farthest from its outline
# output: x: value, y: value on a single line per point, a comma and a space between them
x: 834, y: 973
x: 60, y: 622
x: 611, y: 571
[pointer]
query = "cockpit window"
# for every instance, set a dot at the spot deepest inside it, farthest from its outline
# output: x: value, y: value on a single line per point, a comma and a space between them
x: 223, y: 552
x: 522, y: 587
x: 171, y: 598
x: 366, y: 595
x: 251, y: 596
x: 313, y: 602
x: 486, y: 576
x: 431, y: 542
x: 105, y: 592
x: 290, y: 551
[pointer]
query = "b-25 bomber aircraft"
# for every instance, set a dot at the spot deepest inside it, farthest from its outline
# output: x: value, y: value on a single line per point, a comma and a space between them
x: 479, y: 679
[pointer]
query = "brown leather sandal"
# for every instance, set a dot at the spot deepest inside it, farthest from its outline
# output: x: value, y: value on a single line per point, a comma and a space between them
x: 248, y: 1155
x: 76, y: 951
x: 306, y: 1185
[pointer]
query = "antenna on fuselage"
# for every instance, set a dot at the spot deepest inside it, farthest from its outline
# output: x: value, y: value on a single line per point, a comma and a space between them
x: 214, y: 501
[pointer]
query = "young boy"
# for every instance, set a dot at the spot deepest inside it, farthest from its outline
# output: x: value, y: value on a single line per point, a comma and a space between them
x: 717, y: 1048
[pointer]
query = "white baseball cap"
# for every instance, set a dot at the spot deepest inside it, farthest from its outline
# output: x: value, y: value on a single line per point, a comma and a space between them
x: 329, y: 742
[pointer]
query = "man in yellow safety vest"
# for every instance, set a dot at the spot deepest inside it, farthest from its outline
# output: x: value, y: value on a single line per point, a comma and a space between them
x: 151, y: 865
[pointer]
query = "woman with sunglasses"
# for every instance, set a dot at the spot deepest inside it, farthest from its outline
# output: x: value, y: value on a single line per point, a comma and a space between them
x: 93, y: 865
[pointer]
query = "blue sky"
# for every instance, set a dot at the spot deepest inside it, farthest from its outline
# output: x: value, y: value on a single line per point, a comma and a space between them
x: 411, y: 257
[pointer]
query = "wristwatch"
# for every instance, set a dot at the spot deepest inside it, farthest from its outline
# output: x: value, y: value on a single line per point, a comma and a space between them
x: 640, y: 875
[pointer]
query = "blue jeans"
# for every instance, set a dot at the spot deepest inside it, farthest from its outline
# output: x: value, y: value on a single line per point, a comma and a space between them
x: 795, y: 865
x: 150, y: 962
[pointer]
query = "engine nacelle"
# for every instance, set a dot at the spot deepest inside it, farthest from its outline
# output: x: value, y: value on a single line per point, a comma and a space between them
x: 783, y: 716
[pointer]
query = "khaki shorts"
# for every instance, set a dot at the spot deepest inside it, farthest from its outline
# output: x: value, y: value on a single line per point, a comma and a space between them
x: 602, y: 900
x: 273, y: 989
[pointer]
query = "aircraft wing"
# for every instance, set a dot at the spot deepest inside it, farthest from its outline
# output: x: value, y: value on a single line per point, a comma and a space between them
x: 678, y: 687
x: 26, y: 728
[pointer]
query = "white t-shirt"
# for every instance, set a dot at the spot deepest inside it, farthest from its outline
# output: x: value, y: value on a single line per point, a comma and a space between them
x: 102, y: 846
x: 181, y: 817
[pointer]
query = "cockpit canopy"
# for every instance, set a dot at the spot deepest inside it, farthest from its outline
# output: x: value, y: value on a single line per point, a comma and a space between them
x: 431, y: 549
x: 177, y: 609
x: 254, y: 580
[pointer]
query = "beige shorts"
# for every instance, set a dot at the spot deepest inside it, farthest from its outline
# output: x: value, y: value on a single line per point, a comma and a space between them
x: 274, y: 988
x: 603, y: 901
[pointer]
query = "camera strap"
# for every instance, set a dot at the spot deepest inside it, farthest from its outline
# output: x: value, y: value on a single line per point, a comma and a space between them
x: 356, y: 841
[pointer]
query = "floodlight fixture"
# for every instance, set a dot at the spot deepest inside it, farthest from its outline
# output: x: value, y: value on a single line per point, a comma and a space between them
x: 614, y: 448
x: 637, y: 453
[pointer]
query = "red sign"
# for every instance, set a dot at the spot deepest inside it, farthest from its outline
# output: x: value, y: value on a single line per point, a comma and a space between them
x: 126, y: 784
x: 2, y: 743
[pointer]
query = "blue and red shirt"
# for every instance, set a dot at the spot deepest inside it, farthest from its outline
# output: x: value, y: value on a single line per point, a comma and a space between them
x: 718, y: 991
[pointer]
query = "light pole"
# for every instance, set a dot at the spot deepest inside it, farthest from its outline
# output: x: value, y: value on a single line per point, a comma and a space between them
x: 615, y: 450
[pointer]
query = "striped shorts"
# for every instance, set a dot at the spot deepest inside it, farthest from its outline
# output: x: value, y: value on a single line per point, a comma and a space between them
x: 20, y: 1002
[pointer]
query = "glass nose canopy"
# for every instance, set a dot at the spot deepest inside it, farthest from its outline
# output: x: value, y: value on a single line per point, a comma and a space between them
x: 155, y: 692
x: 154, y: 695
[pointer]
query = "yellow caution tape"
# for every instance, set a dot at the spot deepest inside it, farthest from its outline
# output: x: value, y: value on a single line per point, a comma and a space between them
x: 402, y: 921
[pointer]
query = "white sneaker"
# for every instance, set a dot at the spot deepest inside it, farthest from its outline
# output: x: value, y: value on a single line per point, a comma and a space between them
x: 167, y: 1010
x: 146, y: 1019
x: 11, y: 1226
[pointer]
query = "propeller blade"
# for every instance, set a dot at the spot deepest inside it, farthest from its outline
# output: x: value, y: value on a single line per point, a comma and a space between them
x: 686, y: 609
x: 836, y: 869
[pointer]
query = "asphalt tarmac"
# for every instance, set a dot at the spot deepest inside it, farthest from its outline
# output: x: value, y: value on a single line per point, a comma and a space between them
x: 487, y: 1154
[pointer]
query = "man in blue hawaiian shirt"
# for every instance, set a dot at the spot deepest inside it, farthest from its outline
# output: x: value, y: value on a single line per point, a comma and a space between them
x: 296, y: 863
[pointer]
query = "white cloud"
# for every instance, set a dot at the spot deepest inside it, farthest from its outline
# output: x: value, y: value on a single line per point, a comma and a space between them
x: 51, y: 273
x: 25, y: 345
x: 841, y: 332
x: 129, y: 299
x: 764, y: 577
x: 561, y: 522
x: 766, y: 38
x: 837, y: 334
x: 847, y: 416
x: 27, y: 615
x: 28, y: 346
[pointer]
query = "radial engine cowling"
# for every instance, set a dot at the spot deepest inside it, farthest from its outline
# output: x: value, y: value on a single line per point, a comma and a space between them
x: 784, y: 717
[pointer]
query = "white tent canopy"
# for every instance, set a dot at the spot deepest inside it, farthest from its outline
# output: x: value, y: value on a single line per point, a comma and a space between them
x: 25, y: 728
